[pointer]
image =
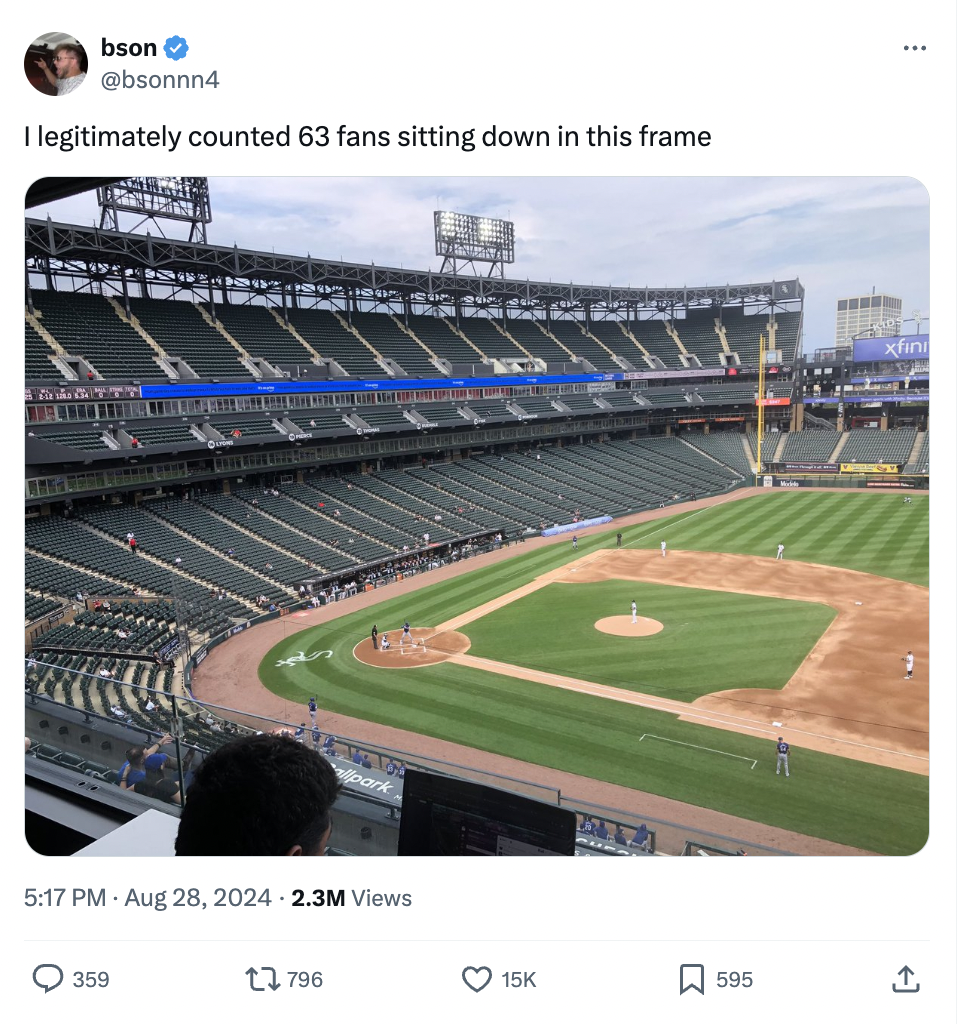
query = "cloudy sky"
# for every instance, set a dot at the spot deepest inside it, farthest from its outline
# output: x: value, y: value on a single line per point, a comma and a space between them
x: 839, y: 236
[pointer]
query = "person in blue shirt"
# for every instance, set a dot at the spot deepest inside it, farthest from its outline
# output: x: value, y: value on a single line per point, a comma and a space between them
x: 329, y: 746
x: 619, y: 836
x: 588, y: 826
x: 601, y: 832
x: 312, y: 710
x: 641, y: 837
x: 401, y: 770
x: 317, y: 736
x: 391, y: 767
x: 300, y: 733
x: 140, y: 760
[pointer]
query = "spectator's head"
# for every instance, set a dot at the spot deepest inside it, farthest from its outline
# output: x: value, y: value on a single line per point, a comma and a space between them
x: 262, y: 795
x: 135, y: 756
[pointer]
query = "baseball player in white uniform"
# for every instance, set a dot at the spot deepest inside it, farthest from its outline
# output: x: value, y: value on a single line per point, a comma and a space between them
x: 782, y: 748
x: 662, y: 546
x: 781, y: 553
x: 909, y: 661
x: 634, y: 611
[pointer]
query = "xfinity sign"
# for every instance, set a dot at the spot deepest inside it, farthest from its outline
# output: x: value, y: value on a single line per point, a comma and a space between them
x: 899, y: 348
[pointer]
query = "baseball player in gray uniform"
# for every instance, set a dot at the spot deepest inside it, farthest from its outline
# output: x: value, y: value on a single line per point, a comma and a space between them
x: 634, y: 611
x: 782, y: 748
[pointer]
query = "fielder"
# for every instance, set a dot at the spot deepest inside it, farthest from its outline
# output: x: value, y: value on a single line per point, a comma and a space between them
x: 782, y: 748
x: 780, y: 557
x: 909, y: 661
x: 575, y: 543
x: 662, y: 546
x: 634, y: 610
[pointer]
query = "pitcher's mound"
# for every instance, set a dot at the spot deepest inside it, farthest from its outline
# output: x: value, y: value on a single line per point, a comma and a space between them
x: 429, y: 649
x: 622, y: 625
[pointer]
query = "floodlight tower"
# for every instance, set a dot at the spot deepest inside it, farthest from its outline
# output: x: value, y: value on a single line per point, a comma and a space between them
x: 182, y: 200
x: 464, y: 240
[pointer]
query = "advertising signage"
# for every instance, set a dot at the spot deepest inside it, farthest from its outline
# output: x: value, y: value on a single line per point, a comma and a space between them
x: 882, y: 350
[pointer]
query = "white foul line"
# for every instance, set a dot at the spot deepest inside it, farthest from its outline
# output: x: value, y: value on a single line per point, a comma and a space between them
x: 711, y: 750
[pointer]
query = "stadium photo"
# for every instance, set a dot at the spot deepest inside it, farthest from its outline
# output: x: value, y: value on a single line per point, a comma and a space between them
x: 396, y: 496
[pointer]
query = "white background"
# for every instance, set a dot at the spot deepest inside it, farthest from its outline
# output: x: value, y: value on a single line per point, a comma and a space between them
x: 813, y: 88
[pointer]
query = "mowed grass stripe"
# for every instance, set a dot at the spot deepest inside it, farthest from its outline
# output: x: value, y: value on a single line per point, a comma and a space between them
x: 835, y: 798
x: 704, y: 647
x: 849, y: 529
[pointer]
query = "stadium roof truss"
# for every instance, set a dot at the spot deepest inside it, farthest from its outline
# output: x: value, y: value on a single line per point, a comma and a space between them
x: 94, y: 254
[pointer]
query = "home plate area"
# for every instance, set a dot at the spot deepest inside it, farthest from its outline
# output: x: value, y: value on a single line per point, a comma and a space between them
x: 427, y: 647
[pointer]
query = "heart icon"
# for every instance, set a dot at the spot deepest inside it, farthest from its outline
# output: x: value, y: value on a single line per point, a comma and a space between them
x: 477, y: 977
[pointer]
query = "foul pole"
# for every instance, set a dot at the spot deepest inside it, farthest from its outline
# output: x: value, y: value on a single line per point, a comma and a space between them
x: 760, y: 401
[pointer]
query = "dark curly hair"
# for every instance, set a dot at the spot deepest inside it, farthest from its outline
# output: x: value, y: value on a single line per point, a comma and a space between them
x: 258, y: 796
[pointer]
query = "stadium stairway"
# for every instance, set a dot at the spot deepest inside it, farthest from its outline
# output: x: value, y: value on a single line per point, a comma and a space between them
x: 813, y: 422
x: 119, y: 586
x: 674, y: 335
x: 347, y: 326
x: 749, y: 454
x: 370, y: 516
x: 400, y: 494
x: 780, y: 448
x: 306, y: 495
x: 162, y: 357
x: 711, y: 458
x: 733, y: 358
x: 452, y: 327
x: 177, y: 570
x: 836, y: 451
x: 56, y: 354
x: 298, y: 518
x: 292, y: 330
x: 914, y: 456
x: 489, y: 512
x: 268, y: 541
x: 255, y: 366
x: 415, y: 338
x: 199, y: 542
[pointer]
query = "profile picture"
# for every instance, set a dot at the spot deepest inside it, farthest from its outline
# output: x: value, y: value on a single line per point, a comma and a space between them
x: 55, y: 64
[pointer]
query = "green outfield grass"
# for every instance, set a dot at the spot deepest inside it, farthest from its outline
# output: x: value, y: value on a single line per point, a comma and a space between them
x: 835, y: 798
x: 870, y: 531
x: 702, y: 649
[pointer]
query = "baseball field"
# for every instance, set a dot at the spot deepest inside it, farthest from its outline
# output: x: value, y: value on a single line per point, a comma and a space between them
x: 536, y: 658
